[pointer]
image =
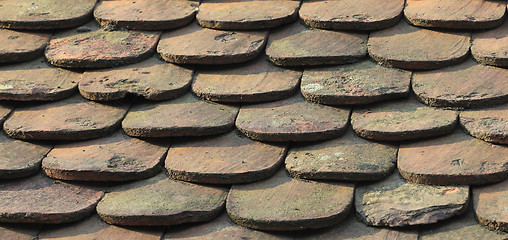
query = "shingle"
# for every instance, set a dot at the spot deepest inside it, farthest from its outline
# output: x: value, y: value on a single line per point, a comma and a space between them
x: 491, y: 47
x: 19, y: 232
x: 490, y: 205
x: 20, y: 159
x: 20, y: 46
x: 489, y: 124
x: 5, y: 111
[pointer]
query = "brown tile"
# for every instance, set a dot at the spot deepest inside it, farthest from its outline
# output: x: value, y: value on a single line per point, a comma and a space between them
x: 161, y: 201
x: 292, y: 119
x: 351, y: 14
x: 402, y: 120
x: 153, y: 79
x: 5, y: 111
x: 113, y: 158
x: 297, y: 45
x: 226, y: 159
x: 17, y: 46
x: 39, y: 199
x: 475, y: 14
x: 408, y: 47
x: 36, y: 81
x: 256, y: 81
x: 146, y: 14
x: 467, y: 85
x: 360, y: 83
x: 489, y: 124
x: 184, y: 116
x: 20, y: 159
x: 45, y: 14
x: 73, y: 118
x: 196, y: 45
x: 283, y: 203
x: 490, y: 205
x: 453, y: 159
x: 91, y: 47
x: 247, y: 14
x: 19, y: 231
x: 394, y: 202
x: 491, y: 47
x: 349, y: 158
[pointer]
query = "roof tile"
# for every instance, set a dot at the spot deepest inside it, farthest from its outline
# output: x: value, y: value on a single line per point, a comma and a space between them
x: 19, y: 232
x: 18, y: 46
x: 20, y: 159
x: 490, y: 124
x: 491, y: 47
x: 490, y: 205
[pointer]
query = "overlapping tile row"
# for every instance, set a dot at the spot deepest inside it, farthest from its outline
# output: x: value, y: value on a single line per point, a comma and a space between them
x: 253, y: 116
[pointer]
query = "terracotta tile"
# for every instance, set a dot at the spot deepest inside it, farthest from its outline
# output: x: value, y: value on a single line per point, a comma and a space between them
x: 113, y: 158
x: 73, y: 118
x: 146, y: 14
x: 489, y: 124
x: 402, y: 120
x: 256, y: 81
x: 36, y: 81
x: 293, y: 119
x: 45, y: 14
x: 161, y: 201
x: 491, y: 47
x: 153, y: 79
x: 408, y: 47
x: 349, y: 158
x: 475, y: 14
x: 453, y: 159
x: 91, y: 47
x: 19, y: 231
x: 283, y: 203
x: 196, y: 45
x: 490, y: 205
x: 5, y: 111
x: 20, y: 159
x: 467, y: 85
x: 226, y: 159
x: 351, y: 14
x: 184, y: 116
x: 247, y: 14
x: 394, y: 202
x: 39, y: 199
x: 360, y: 83
x: 297, y: 45
x: 17, y: 46
x: 94, y: 228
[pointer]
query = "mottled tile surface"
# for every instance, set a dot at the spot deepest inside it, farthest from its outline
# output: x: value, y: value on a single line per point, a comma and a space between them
x: 19, y: 46
x: 20, y: 159
x: 490, y: 205
x: 489, y: 124
x: 491, y: 46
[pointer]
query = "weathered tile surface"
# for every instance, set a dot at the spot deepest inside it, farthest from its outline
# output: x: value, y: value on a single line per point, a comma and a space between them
x: 255, y: 81
x: 296, y: 45
x: 360, y: 83
x: 490, y: 124
x: 5, y: 111
x: 394, y: 202
x: 463, y: 86
x: 490, y: 205
x: 20, y: 159
x: 225, y: 159
x: 491, y: 47
x: 454, y: 159
x: 18, y: 232
x: 73, y: 118
x: 351, y: 14
x: 282, y: 203
x: 161, y: 201
x: 153, y: 79
x: 408, y: 47
x: 18, y: 46
x: 184, y: 116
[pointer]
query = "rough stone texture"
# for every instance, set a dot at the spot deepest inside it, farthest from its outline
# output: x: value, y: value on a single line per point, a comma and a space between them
x: 18, y: 232
x: 360, y: 83
x: 146, y: 14
x: 161, y: 201
x: 394, y: 202
x: 283, y: 203
x: 39, y: 199
x: 292, y: 119
x: 196, y: 45
x: 349, y: 158
x: 36, y: 81
x: 402, y: 120
x: 225, y: 159
x: 468, y: 85
x: 297, y: 45
x: 491, y: 47
x: 184, y: 116
x: 408, y: 47
x: 5, y: 111
x: 92, y: 47
x: 153, y: 79
x: 17, y: 46
x: 73, y: 118
x: 247, y: 14
x: 490, y: 124
x: 474, y: 14
x: 490, y: 203
x: 453, y: 159
x: 351, y: 14
x: 113, y: 158
x: 256, y: 81
x: 45, y: 14
x: 20, y: 159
